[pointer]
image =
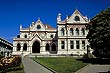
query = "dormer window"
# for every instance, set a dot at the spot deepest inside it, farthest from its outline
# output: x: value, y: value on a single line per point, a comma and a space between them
x: 77, y: 18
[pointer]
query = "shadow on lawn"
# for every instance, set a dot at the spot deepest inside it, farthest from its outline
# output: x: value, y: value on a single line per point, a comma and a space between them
x: 95, y: 60
x: 101, y: 61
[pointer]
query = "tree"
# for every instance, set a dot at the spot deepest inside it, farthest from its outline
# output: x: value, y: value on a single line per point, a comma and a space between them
x: 99, y: 34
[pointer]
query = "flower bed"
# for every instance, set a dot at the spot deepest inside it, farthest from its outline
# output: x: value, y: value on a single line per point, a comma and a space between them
x: 12, y: 63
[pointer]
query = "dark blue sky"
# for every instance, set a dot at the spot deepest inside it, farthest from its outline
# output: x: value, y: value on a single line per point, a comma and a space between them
x: 16, y: 12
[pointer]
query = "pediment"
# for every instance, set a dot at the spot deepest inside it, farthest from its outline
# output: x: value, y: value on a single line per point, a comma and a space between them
x: 77, y: 17
x: 38, y: 26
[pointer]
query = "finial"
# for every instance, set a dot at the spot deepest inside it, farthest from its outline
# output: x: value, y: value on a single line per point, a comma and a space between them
x: 38, y: 18
x: 59, y: 17
x: 66, y: 17
x: 20, y: 26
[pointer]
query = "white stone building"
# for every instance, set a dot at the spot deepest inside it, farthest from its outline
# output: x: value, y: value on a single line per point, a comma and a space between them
x: 68, y: 38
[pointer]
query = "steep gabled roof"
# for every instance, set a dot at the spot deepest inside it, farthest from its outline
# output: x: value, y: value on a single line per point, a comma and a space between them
x: 48, y: 27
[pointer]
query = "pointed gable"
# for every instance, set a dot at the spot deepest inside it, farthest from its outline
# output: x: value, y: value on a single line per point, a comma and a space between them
x: 77, y: 17
x: 38, y: 26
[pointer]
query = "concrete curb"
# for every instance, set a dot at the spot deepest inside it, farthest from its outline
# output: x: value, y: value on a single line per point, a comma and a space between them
x: 46, y: 67
x: 83, y: 68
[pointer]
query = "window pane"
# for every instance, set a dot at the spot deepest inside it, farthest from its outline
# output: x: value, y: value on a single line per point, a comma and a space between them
x: 83, y: 44
x: 71, y: 44
x: 77, y: 18
x: 71, y: 31
x: 83, y: 31
x: 62, y: 45
x: 77, y: 31
x: 77, y: 44
x: 62, y: 32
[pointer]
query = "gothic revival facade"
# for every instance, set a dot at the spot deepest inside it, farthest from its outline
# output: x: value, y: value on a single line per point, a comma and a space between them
x: 68, y: 38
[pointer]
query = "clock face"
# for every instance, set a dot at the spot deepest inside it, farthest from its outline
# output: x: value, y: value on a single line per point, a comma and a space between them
x: 38, y: 27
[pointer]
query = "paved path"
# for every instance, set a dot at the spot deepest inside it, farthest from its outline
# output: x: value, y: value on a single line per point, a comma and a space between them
x: 95, y: 69
x: 32, y: 67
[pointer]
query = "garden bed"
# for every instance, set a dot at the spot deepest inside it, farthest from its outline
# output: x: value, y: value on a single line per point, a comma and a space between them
x: 11, y: 65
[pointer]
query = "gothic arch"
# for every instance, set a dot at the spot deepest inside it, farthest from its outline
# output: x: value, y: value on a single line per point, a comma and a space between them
x: 71, y: 31
x: 25, y: 47
x: 53, y: 47
x: 62, y: 31
x: 77, y: 31
x: 18, y: 46
x: 47, y: 47
x: 36, y: 47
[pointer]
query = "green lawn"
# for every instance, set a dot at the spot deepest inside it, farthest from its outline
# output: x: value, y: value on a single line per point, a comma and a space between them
x: 61, y: 64
x: 19, y: 71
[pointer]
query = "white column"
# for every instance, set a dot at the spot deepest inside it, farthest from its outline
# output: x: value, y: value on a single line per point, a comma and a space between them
x: 74, y: 44
x: 80, y: 32
x: 21, y: 48
x: 74, y: 31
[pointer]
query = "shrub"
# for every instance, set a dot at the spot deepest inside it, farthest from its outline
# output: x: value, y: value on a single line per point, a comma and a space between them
x: 12, y: 63
x: 89, y: 55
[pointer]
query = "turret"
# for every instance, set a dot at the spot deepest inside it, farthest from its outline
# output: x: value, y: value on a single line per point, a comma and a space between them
x: 59, y: 18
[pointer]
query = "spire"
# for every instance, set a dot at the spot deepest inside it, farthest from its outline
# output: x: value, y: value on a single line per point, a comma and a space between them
x: 59, y: 17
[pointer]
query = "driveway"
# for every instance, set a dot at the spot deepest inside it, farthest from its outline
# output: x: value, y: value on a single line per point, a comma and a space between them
x: 31, y: 66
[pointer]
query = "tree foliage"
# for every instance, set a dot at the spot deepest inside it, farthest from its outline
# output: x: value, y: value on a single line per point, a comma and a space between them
x: 99, y: 34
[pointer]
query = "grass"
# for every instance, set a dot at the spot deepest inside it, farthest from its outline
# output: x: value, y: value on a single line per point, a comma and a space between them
x: 19, y: 71
x: 61, y: 64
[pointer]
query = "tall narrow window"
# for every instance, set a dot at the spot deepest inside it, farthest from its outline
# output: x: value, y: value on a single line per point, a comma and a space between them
x: 25, y: 47
x: 83, y: 44
x: 47, y: 47
x: 83, y: 31
x: 18, y: 47
x: 77, y: 31
x: 62, y: 44
x: 53, y: 47
x: 77, y: 45
x: 62, y: 32
x: 71, y: 31
x: 25, y: 36
x: 72, y: 44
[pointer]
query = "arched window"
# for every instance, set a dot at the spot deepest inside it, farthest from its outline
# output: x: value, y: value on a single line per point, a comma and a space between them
x: 53, y: 47
x: 77, y: 31
x: 18, y: 36
x: 25, y: 36
x: 25, y: 47
x: 18, y: 47
x: 51, y: 35
x: 62, y: 32
x: 71, y: 31
x: 47, y: 47
x: 77, y: 18
x: 83, y: 31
